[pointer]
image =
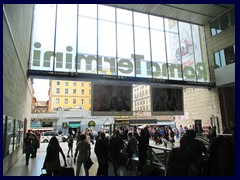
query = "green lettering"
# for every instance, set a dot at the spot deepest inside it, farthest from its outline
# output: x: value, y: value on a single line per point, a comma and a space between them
x: 59, y: 60
x: 69, y: 57
x: 123, y: 64
x: 150, y: 69
x: 189, y: 73
x: 47, y: 57
x: 36, y: 54
x: 138, y: 57
x: 172, y: 67
x: 201, y: 71
x: 88, y: 59
x: 112, y: 64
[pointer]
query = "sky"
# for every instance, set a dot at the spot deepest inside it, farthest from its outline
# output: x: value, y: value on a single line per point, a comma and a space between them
x: 41, y: 87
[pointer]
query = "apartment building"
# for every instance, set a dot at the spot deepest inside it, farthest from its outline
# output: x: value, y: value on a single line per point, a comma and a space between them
x: 69, y: 94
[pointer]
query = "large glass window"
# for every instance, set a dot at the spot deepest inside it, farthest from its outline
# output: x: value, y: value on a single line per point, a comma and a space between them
x: 107, y: 40
x: 43, y: 37
x: 142, y: 45
x: 186, y: 51
x: 66, y: 27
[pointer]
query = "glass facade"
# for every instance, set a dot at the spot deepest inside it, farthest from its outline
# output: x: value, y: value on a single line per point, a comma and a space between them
x: 98, y: 39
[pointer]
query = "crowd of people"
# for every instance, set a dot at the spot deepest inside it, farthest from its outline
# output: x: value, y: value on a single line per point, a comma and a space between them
x: 191, y: 158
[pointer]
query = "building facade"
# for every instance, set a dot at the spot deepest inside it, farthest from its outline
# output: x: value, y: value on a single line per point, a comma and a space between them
x: 70, y: 95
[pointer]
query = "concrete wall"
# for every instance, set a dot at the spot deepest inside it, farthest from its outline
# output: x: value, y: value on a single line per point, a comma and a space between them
x: 17, y: 89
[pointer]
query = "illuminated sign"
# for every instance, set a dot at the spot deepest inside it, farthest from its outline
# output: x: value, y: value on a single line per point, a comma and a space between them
x: 126, y: 67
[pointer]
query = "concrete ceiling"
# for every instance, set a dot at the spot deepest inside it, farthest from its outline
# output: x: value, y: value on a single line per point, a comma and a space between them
x: 199, y: 14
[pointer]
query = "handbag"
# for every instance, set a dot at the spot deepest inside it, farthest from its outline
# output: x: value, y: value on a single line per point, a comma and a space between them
x: 89, y: 163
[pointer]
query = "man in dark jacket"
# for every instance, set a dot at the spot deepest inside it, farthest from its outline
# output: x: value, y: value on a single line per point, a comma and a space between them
x: 101, y: 150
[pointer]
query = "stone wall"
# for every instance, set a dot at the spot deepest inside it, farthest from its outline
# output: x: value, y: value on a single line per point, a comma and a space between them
x: 17, y: 88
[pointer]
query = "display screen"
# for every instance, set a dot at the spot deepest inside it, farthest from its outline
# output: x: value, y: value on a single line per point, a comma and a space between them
x: 111, y: 100
x: 167, y: 101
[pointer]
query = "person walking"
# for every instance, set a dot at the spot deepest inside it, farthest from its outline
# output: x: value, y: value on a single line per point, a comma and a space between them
x: 29, y: 149
x: 82, y: 153
x: 70, y: 145
x: 52, y: 160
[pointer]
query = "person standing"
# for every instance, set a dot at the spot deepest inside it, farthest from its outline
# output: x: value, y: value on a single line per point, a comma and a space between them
x: 82, y: 153
x: 116, y: 145
x: 131, y: 149
x: 52, y: 160
x: 142, y: 150
x: 101, y: 150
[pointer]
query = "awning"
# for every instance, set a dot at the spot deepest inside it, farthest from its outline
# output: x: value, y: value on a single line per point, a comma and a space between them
x: 74, y: 124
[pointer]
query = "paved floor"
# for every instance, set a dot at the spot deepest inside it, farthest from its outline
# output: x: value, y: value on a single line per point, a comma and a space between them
x: 35, y: 164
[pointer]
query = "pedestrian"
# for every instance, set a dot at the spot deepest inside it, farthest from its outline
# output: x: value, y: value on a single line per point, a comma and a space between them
x: 142, y: 150
x: 131, y: 149
x: 82, y: 153
x: 116, y: 145
x: 29, y: 149
x: 70, y: 145
x: 101, y: 150
x: 52, y: 161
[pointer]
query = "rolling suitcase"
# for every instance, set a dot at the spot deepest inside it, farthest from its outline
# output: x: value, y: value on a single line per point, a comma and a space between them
x: 66, y: 171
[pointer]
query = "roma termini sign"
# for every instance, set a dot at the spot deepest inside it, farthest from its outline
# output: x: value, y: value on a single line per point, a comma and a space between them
x: 135, y: 66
